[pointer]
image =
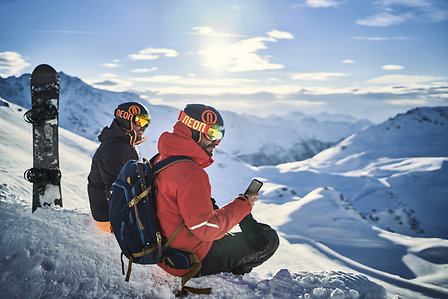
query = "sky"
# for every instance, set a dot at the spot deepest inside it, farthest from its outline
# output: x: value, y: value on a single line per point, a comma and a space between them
x: 367, y: 58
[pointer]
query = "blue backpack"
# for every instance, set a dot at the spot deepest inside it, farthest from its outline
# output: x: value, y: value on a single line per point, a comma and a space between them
x: 133, y: 218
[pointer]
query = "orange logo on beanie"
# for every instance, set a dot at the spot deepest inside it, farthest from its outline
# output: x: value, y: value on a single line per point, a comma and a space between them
x: 134, y: 109
x: 128, y: 115
x: 209, y: 116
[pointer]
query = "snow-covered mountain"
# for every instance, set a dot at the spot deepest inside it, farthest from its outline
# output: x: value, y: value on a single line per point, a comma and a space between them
x: 394, y: 174
x: 338, y: 215
x: 294, y: 137
x: 85, y: 110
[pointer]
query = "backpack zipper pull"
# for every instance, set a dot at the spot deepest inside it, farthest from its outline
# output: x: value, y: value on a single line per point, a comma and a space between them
x: 159, y: 242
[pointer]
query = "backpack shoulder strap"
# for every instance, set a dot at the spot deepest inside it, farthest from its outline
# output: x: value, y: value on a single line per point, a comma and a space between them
x: 156, y: 168
x: 159, y: 166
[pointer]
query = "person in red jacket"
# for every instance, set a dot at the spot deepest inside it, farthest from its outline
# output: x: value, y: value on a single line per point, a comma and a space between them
x: 184, y: 195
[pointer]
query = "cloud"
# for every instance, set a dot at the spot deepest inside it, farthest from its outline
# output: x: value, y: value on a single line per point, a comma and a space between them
x: 392, y: 67
x: 209, y: 31
x: 162, y: 85
x: 381, y: 38
x: 145, y: 70
x: 11, y: 64
x: 394, y: 12
x: 382, y: 20
x: 153, y: 53
x: 76, y: 32
x: 398, y: 88
x: 112, y: 83
x: 193, y: 81
x: 243, y: 55
x: 319, y: 76
x: 107, y: 83
x: 377, y: 99
x: 280, y: 34
x: 407, y: 102
x: 177, y: 85
x: 158, y: 79
x: 203, y: 30
x: 109, y: 75
x: 298, y: 103
x: 403, y: 80
x: 348, y: 61
x: 319, y: 3
x: 111, y: 65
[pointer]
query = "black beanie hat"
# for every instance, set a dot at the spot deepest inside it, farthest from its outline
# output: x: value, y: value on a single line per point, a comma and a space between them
x: 203, y: 113
x: 125, y: 113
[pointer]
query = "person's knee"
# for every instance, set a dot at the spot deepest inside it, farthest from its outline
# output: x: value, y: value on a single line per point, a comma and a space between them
x: 273, y: 239
x: 104, y: 226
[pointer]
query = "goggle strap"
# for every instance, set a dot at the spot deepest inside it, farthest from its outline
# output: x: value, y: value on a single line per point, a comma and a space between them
x: 193, y: 123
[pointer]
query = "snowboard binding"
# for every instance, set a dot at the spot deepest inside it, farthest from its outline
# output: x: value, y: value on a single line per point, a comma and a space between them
x: 41, y: 113
x: 43, y: 175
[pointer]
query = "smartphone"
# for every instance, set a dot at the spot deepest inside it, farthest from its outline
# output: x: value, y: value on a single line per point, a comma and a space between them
x: 254, y: 187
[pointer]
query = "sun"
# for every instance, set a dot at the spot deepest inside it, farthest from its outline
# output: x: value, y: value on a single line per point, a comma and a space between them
x: 217, y: 56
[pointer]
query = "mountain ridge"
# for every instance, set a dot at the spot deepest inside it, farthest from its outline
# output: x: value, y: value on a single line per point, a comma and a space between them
x: 85, y: 110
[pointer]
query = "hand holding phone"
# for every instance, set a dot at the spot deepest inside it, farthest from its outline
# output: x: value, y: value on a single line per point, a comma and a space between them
x: 254, y: 187
x: 252, y: 191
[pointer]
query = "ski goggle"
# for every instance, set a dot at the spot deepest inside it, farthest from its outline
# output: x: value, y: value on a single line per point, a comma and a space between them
x: 142, y: 120
x: 213, y: 132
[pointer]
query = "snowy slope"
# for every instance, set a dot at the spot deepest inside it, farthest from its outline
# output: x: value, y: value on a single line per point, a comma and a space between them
x: 390, y: 180
x: 394, y: 173
x: 60, y: 253
x: 86, y: 110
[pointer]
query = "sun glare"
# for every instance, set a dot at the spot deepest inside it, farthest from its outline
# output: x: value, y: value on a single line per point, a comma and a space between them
x: 217, y: 56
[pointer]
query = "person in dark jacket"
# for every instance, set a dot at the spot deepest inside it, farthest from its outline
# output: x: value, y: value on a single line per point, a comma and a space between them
x: 118, y: 145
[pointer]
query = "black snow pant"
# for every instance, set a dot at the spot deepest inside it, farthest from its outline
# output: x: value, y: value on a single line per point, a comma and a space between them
x: 240, y: 252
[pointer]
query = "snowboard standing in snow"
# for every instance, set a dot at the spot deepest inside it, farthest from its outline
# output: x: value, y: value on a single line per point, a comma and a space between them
x: 45, y: 174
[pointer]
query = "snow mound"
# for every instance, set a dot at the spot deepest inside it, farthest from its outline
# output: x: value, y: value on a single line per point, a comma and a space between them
x: 325, y: 284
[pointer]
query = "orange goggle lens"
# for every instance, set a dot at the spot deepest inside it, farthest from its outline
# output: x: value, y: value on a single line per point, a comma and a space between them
x: 142, y: 120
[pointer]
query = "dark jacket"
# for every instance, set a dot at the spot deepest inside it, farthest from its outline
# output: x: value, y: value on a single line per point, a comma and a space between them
x: 117, y: 147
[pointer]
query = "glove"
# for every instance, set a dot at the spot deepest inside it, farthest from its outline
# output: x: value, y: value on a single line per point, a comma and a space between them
x: 215, y: 206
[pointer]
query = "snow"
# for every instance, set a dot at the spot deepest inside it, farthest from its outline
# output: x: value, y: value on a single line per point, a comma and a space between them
x: 338, y: 215
x: 386, y: 172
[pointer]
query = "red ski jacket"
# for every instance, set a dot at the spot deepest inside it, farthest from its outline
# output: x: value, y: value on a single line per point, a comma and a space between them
x: 184, y: 195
